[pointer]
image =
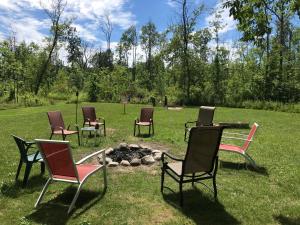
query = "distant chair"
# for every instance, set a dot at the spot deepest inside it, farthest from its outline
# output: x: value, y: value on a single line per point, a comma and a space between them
x: 146, y: 119
x: 90, y: 119
x: 247, y: 138
x: 205, y: 118
x: 200, y: 161
x: 58, y: 126
x: 28, y: 159
x: 58, y: 158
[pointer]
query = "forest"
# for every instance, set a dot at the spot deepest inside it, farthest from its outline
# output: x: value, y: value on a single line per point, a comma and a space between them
x: 186, y: 63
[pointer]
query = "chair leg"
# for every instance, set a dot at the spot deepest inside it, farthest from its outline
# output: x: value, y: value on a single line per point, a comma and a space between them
x: 43, y: 192
x: 51, y: 136
x: 152, y: 128
x: 139, y: 129
x: 250, y: 160
x: 75, y: 198
x: 78, y: 137
x: 19, y: 169
x: 104, y: 129
x: 215, y: 187
x: 193, y: 177
x: 27, y: 172
x: 149, y: 129
x: 162, y: 179
x: 42, y: 167
x: 180, y: 193
x: 64, y: 137
x: 134, y: 127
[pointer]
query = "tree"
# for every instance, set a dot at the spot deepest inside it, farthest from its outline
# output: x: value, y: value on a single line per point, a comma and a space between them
x: 149, y: 40
x: 58, y: 29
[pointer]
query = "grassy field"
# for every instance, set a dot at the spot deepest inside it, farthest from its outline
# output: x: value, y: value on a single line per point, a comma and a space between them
x: 270, y: 195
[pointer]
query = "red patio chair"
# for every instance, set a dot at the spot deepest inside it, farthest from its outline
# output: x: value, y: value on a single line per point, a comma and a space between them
x: 58, y: 126
x: 146, y: 119
x: 90, y: 118
x: 247, y: 138
x: 58, y: 159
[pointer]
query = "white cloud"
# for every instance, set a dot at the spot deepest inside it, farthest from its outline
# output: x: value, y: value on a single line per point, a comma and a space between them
x: 21, y: 15
x: 172, y: 3
x: 227, y: 21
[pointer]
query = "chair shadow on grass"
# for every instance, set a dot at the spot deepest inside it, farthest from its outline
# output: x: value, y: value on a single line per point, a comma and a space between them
x: 143, y: 135
x: 243, y: 166
x: 55, y: 211
x: 201, y: 208
x: 15, y: 189
x: 286, y: 220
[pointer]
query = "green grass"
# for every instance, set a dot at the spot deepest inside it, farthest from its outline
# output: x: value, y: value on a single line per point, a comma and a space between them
x: 268, y: 196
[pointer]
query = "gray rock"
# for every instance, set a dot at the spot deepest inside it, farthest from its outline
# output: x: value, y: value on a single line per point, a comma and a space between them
x: 124, y: 163
x: 136, y: 162
x: 108, y: 160
x: 144, y: 146
x: 134, y: 146
x: 123, y: 145
x: 157, y: 156
x: 148, y: 160
x: 156, y: 151
x: 113, y: 164
x: 109, y: 150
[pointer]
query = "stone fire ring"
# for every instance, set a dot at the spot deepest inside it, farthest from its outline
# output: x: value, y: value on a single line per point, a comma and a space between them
x: 130, y: 155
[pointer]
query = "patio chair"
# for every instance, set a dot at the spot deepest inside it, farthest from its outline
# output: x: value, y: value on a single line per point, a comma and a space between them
x: 146, y: 119
x: 58, y: 126
x: 246, y: 138
x: 205, y: 118
x: 200, y: 161
x: 90, y: 119
x: 58, y: 158
x: 28, y: 158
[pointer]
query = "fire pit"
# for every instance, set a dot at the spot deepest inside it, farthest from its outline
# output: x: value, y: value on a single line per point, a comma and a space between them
x: 130, y: 155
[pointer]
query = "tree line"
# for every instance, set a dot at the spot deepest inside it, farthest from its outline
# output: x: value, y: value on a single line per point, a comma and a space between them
x: 186, y: 63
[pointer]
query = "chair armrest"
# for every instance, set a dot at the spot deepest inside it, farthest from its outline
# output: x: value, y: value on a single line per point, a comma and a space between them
x: 91, y: 155
x: 188, y: 122
x: 170, y: 156
x: 236, y: 138
x: 101, y: 118
x: 238, y: 134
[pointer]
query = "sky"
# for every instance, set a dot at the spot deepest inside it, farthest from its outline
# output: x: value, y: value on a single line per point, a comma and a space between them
x: 27, y: 20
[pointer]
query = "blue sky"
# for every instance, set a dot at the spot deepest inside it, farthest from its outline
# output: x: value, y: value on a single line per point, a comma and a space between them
x: 28, y: 21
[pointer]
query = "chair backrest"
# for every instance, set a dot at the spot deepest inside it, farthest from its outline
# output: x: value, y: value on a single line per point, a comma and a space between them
x: 202, y: 149
x: 250, y: 136
x: 22, y: 148
x: 205, y: 116
x: 146, y: 114
x: 89, y: 113
x: 55, y: 120
x: 58, y: 158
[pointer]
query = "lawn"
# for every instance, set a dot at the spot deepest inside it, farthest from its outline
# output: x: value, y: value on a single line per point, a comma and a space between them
x: 270, y: 195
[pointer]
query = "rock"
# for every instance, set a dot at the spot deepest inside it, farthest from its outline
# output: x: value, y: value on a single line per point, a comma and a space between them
x: 123, y: 145
x: 156, y: 151
x: 108, y: 160
x: 124, y: 163
x: 144, y: 146
x: 136, y: 162
x: 148, y: 159
x: 134, y: 146
x: 108, y: 151
x: 113, y: 164
x: 157, y: 156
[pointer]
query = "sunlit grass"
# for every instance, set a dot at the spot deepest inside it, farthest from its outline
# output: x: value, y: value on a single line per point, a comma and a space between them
x: 268, y: 196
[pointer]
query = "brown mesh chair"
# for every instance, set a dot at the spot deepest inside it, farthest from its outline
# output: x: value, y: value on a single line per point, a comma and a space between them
x: 90, y: 119
x: 205, y: 118
x: 58, y: 126
x: 146, y: 119
x: 200, y: 161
